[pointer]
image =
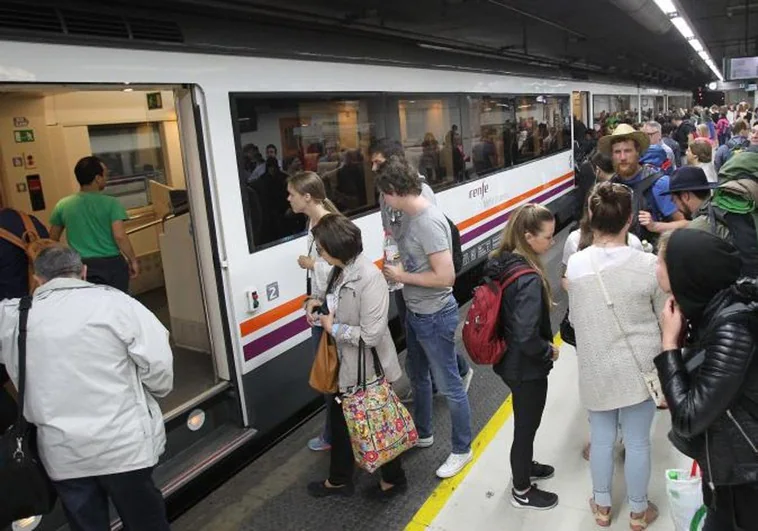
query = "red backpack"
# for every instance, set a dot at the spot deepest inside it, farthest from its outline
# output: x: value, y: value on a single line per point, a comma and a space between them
x: 481, y: 336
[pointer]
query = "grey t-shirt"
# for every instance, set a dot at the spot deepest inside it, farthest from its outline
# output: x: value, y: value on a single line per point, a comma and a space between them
x: 423, y: 234
x: 394, y: 221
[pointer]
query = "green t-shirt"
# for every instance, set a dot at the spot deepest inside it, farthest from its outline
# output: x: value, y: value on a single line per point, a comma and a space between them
x: 88, y: 218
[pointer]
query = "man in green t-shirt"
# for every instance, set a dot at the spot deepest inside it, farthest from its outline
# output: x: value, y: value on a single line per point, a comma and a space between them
x: 95, y: 227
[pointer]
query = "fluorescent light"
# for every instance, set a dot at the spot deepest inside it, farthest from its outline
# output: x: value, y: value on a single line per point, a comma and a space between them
x: 704, y: 56
x: 696, y: 45
x: 683, y: 27
x: 667, y: 6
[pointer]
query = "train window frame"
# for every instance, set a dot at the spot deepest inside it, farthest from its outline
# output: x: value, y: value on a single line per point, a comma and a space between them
x: 385, y: 99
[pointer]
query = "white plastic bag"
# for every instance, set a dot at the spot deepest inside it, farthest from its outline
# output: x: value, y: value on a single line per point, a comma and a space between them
x: 685, y: 498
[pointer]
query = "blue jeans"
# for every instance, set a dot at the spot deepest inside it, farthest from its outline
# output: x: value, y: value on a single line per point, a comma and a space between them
x: 431, y: 347
x: 463, y: 366
x: 326, y: 435
x: 635, y: 423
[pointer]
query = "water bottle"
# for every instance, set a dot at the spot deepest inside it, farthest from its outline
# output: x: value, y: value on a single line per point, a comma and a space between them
x: 647, y: 246
x: 391, y: 257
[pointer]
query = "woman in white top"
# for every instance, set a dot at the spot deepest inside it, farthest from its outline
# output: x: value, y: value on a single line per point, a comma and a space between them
x: 614, y: 301
x: 307, y: 195
x: 700, y: 154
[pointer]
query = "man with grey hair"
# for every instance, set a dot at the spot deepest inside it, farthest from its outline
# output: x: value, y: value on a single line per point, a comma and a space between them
x: 653, y: 130
x: 96, y: 360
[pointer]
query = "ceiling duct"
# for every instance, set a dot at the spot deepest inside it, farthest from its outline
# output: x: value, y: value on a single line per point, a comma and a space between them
x: 646, y: 13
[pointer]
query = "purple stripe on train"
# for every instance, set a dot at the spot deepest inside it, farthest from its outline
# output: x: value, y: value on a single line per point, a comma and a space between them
x: 273, y: 338
x: 500, y: 220
x: 291, y: 329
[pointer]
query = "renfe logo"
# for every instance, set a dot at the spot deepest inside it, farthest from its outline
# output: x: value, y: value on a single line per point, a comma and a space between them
x: 479, y: 191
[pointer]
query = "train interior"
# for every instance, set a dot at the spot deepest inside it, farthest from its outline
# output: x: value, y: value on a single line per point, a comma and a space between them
x: 137, y: 135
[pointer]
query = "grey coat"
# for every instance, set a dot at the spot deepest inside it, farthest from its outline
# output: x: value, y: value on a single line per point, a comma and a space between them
x: 361, y: 312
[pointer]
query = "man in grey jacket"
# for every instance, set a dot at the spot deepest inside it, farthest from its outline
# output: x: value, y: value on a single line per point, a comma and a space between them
x: 96, y: 358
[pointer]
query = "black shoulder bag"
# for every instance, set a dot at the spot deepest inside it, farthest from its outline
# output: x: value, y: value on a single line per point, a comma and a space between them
x: 25, y: 488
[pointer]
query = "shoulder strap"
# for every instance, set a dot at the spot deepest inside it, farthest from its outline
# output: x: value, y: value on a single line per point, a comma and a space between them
x: 378, y: 369
x: 28, y: 223
x: 511, y: 276
x: 612, y: 307
x: 23, y: 318
x: 12, y: 238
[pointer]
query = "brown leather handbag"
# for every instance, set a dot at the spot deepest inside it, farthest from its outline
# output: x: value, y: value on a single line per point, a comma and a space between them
x: 325, y: 369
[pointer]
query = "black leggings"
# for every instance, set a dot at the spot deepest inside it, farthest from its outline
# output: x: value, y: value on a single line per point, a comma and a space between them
x: 342, y: 462
x: 528, y: 404
x: 733, y: 509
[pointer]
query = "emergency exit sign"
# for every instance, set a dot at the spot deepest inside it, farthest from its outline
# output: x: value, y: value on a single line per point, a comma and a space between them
x: 23, y: 135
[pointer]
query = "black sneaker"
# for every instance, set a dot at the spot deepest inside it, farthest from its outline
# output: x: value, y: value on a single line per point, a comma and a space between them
x: 540, y: 471
x: 539, y: 500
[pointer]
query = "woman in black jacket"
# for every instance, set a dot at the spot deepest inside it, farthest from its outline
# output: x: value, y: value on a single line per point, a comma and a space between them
x: 711, y: 385
x: 525, y: 317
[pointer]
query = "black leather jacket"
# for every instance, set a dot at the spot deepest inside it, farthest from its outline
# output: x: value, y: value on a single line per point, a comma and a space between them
x: 524, y: 321
x: 713, y: 397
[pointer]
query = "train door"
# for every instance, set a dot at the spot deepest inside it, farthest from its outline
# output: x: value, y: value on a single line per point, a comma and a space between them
x: 580, y: 102
x: 148, y: 140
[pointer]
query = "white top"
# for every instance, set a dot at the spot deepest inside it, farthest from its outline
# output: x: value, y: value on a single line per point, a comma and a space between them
x: 321, y: 268
x: 710, y: 171
x: 609, y: 377
x: 95, y: 360
x: 572, y: 244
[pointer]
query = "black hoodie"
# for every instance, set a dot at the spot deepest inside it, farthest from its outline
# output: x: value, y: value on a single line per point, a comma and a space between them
x: 525, y: 322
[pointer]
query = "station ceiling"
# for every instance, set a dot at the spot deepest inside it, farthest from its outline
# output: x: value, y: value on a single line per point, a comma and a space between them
x: 626, y: 40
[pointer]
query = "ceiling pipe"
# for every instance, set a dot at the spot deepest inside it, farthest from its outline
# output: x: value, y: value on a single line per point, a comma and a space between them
x: 646, y: 13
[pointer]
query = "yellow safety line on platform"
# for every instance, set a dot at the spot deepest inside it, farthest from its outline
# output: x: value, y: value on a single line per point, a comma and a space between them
x: 436, y: 502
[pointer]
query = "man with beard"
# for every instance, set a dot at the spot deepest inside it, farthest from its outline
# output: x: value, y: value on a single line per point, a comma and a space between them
x: 691, y: 192
x: 654, y: 212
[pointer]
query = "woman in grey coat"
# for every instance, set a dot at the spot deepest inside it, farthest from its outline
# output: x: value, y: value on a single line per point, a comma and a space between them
x: 357, y: 299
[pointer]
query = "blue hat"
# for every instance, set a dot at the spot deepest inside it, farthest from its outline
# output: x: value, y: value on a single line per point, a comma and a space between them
x: 689, y: 179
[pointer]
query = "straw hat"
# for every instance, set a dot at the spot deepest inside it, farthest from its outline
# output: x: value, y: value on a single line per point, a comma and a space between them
x: 623, y: 132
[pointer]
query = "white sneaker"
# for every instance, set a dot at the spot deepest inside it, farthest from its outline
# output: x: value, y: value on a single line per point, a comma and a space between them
x: 454, y: 464
x: 425, y: 442
x: 467, y: 379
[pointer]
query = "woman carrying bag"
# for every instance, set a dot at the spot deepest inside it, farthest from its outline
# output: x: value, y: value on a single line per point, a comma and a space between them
x: 613, y: 296
x: 354, y: 313
x: 711, y: 385
x: 307, y: 195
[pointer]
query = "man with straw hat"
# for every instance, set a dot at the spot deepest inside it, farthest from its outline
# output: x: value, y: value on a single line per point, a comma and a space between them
x: 654, y: 211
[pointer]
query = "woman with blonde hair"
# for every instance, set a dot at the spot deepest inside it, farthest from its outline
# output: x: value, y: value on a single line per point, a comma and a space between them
x: 525, y: 321
x: 307, y: 195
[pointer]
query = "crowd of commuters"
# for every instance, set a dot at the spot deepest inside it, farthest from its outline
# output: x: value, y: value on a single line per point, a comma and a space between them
x: 691, y: 313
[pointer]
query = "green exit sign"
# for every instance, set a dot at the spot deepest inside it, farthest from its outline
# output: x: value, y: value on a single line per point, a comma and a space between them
x: 23, y: 135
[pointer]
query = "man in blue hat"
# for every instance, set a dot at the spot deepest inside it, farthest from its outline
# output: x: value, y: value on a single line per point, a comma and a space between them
x: 691, y: 192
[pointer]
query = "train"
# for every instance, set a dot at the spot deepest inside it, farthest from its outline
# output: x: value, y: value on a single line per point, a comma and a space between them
x: 176, y: 124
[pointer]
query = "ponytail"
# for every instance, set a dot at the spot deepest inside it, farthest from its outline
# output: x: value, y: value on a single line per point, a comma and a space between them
x: 331, y: 207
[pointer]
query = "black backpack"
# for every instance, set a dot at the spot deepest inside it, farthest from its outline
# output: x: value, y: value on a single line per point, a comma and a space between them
x: 457, y: 248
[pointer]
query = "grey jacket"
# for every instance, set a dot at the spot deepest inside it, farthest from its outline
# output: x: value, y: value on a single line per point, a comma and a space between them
x: 361, y: 312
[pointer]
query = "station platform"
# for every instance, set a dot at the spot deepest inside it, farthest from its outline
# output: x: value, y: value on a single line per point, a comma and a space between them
x: 270, y: 494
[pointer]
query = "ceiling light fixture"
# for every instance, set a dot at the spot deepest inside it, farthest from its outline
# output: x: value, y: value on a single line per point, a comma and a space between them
x: 683, y: 27
x: 667, y: 6
x: 677, y: 18
x: 696, y: 45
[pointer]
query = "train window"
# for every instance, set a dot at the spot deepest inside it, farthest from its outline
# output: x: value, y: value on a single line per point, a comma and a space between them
x: 429, y: 129
x: 679, y: 102
x: 651, y: 106
x: 511, y: 130
x: 604, y: 106
x: 277, y: 137
x: 134, y: 156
